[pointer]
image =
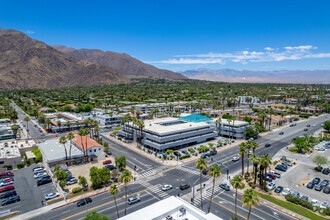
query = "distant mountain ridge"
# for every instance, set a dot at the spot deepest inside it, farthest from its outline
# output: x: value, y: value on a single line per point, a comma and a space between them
x: 28, y: 63
x: 248, y: 76
x: 121, y: 62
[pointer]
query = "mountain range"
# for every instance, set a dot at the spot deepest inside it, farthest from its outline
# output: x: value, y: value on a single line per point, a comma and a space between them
x: 248, y: 76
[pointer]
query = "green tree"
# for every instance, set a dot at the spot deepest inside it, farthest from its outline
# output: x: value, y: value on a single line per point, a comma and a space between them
x: 82, y: 181
x: 94, y: 215
x: 15, y: 128
x: 201, y: 165
x: 70, y: 136
x: 266, y: 161
x: 68, y: 124
x: 250, y: 198
x: 320, y: 160
x: 326, y: 126
x: 218, y: 125
x: 67, y: 108
x: 126, y: 177
x: 114, y: 190
x: 95, y: 177
x: 48, y: 122
x: 242, y: 152
x: 215, y: 172
x: 120, y: 162
x: 59, y: 123
x: 64, y: 141
x: 255, y: 159
x: 27, y: 119
x: 236, y: 182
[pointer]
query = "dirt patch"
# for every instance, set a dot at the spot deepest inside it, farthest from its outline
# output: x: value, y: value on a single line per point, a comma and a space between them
x: 304, y: 181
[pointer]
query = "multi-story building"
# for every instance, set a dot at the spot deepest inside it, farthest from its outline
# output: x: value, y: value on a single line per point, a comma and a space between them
x: 164, y: 133
x: 105, y: 119
x: 6, y: 132
x: 248, y: 99
x: 234, y: 129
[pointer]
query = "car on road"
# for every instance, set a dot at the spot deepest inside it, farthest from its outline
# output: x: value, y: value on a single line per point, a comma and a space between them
x: 177, y: 154
x: 235, y: 159
x: 281, y: 168
x: 250, y: 152
x: 8, y: 194
x: 287, y: 163
x: 204, y: 156
x: 319, y: 187
x: 324, y: 205
x: 51, y: 196
x: 111, y: 167
x: 224, y: 186
x: 296, y: 194
x: 84, y: 201
x: 213, y: 152
x: 279, y: 189
x: 281, y: 133
x: 308, y: 125
x: 205, y: 172
x: 166, y: 187
x: 310, y: 185
x: 44, y: 181
x: 305, y: 129
x: 251, y: 139
x: 325, y: 182
x: 133, y: 200
x: 11, y: 200
x: 304, y: 198
x: 316, y: 180
x: 326, y: 171
x: 326, y: 190
x: 319, y: 148
x: 271, y: 186
x: 184, y: 186
x: 268, y: 145
x: 107, y: 162
x: 286, y: 191
x: 6, y: 188
x: 314, y: 202
x: 184, y: 152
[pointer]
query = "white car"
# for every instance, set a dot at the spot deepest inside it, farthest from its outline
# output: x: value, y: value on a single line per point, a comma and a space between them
x: 250, y: 152
x: 235, y: 159
x: 271, y: 186
x: 51, y: 196
x: 286, y: 191
x: 314, y: 202
x: 38, y: 170
x: 39, y: 175
x: 324, y: 205
x: 166, y: 187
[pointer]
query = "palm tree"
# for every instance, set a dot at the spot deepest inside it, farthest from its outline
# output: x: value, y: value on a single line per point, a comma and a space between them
x: 63, y: 141
x: 236, y: 182
x: 266, y: 162
x: 68, y: 124
x: 81, y: 133
x: 218, y: 123
x: 229, y: 121
x: 48, y: 122
x: 70, y: 137
x: 201, y: 165
x: 248, y: 147
x: 114, y: 190
x: 141, y: 126
x: 27, y: 119
x: 255, y: 159
x: 97, y: 130
x: 15, y: 128
x: 254, y: 146
x: 125, y: 177
x: 250, y: 198
x: 232, y: 128
x: 59, y: 123
x: 215, y: 172
x: 242, y: 151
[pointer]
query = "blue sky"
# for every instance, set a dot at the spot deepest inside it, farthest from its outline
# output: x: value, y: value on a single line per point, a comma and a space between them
x: 181, y: 35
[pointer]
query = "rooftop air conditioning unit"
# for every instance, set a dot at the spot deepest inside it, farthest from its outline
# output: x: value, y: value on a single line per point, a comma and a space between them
x: 169, y: 217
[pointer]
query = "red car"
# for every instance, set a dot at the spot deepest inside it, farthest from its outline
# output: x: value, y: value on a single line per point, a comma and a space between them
x: 106, y: 162
x: 6, y: 188
x: 6, y: 174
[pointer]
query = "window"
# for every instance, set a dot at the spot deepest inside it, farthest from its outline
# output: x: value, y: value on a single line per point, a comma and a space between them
x: 90, y: 151
x: 99, y: 149
x: 94, y: 150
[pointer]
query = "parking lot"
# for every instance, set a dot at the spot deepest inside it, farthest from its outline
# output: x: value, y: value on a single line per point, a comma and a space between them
x: 26, y: 187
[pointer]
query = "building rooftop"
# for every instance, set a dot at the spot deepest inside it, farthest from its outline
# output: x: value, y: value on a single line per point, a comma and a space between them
x: 195, y: 118
x: 236, y: 123
x: 90, y: 142
x: 11, y: 149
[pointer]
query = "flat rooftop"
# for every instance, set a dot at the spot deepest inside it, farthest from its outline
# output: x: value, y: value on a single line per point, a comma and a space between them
x: 10, y: 149
x: 236, y: 123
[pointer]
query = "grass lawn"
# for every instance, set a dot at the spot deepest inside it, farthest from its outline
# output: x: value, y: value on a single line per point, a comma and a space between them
x: 292, y: 207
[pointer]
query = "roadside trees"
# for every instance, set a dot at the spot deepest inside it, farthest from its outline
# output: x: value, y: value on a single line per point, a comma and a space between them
x: 236, y: 182
x: 125, y: 178
x: 70, y: 137
x: 121, y: 162
x: 250, y: 198
x: 255, y: 159
x: 48, y: 122
x: 201, y: 165
x: 94, y: 215
x: 218, y: 125
x: 320, y: 160
x: 64, y: 141
x: 242, y: 152
x: 326, y: 126
x: 82, y: 181
x: 99, y: 176
x: 27, y: 119
x: 14, y: 128
x: 114, y: 190
x: 215, y: 172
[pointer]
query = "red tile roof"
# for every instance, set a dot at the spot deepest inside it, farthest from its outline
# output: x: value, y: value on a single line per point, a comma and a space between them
x: 90, y: 142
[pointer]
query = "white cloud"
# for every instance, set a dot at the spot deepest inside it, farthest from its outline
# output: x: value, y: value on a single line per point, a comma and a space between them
x: 269, y: 54
x: 30, y: 32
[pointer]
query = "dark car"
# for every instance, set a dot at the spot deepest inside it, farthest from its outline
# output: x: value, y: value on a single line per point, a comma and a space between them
x: 280, y: 167
x: 11, y: 200
x: 224, y: 186
x: 177, y: 154
x: 325, y: 182
x: 304, y: 198
x: 204, y: 156
x: 308, y: 125
x: 326, y: 171
x: 319, y: 187
x: 310, y: 185
x: 213, y: 152
x: 8, y: 194
x: 279, y: 189
x: 268, y: 145
x: 287, y: 163
x: 184, y: 186
x: 281, y: 133
x: 316, y: 180
x: 111, y: 167
x: 184, y: 152
x: 133, y: 200
x: 305, y: 129
x: 44, y: 181
x: 68, y: 172
x: 84, y: 201
x: 326, y: 190
x: 6, y: 188
x: 108, y: 152
x: 205, y: 172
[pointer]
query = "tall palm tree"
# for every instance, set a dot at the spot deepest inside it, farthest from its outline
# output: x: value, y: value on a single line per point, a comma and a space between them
x: 59, y: 123
x: 114, y: 190
x: 215, y: 172
x: 232, y: 128
x: 48, y: 122
x: 242, y: 151
x: 255, y: 159
x: 27, y: 119
x: 254, y: 146
x: 15, y: 128
x: 266, y: 162
x: 70, y: 137
x: 201, y: 165
x: 229, y: 121
x: 125, y: 177
x: 218, y: 124
x: 141, y: 127
x: 64, y: 141
x: 250, y: 198
x: 236, y: 182
x: 97, y: 130
x: 81, y: 133
x: 248, y: 147
x: 68, y: 124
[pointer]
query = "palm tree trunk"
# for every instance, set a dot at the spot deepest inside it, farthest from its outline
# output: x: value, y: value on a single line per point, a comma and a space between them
x: 247, y: 171
x: 242, y: 165
x: 70, y: 150
x: 249, y: 213
x: 211, y: 195
x: 265, y: 178
x: 116, y: 206
x: 125, y: 197
x: 236, y: 205
x: 200, y: 183
x: 255, y: 172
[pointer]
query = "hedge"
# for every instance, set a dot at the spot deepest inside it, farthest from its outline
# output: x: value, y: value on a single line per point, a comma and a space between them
x: 184, y: 156
x: 38, y: 155
x: 20, y: 165
x: 117, y: 128
x: 76, y: 190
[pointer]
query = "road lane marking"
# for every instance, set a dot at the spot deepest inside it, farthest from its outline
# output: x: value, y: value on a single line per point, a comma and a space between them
x: 79, y: 213
x: 227, y: 208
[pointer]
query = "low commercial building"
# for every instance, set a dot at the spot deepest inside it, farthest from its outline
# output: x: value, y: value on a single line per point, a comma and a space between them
x: 234, y: 129
x: 94, y: 150
x: 164, y: 133
x: 76, y: 122
x: 11, y: 152
x: 172, y: 208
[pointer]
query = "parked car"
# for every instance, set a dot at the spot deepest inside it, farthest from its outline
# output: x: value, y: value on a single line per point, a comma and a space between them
x: 319, y: 187
x: 271, y: 175
x: 280, y: 167
x: 308, y: 125
x: 107, y: 162
x: 71, y: 181
x: 286, y: 191
x: 325, y: 182
x: 277, y: 175
x: 166, y: 187
x: 326, y: 171
x: 324, y: 205
x: 287, y: 163
x: 8, y: 194
x: 184, y: 152
x: 304, y: 198
x: 271, y: 186
x: 177, y: 154
x: 84, y: 201
x: 326, y: 190
x: 184, y: 186
x: 281, y: 133
x: 268, y: 145
x: 279, y: 189
x: 39, y: 175
x: 133, y: 200
x: 68, y: 172
x: 204, y: 156
x: 316, y: 180
x: 111, y: 167
x: 37, y: 167
x: 6, y: 182
x: 38, y: 170
x: 235, y: 159
x: 11, y: 200
x: 213, y: 152
x: 224, y: 186
x: 310, y: 185
x: 44, y: 181
x: 314, y: 202
x: 6, y: 188
x: 51, y: 196
x: 108, y: 152
x: 296, y: 194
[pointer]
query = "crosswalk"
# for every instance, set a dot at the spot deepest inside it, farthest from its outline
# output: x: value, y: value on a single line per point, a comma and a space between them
x: 195, y: 172
x: 206, y: 195
x: 156, y: 189
x: 153, y: 171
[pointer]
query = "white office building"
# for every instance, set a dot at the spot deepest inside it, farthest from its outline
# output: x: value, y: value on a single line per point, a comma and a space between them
x: 248, y: 99
x: 234, y: 129
x: 105, y: 119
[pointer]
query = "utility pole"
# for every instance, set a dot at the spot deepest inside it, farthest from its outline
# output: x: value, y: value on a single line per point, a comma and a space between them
x: 227, y: 174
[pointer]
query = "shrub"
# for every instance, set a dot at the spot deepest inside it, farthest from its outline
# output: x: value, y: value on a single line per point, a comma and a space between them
x: 28, y: 162
x: 9, y: 167
x: 20, y: 165
x: 76, y: 190
x: 318, y: 169
x: 184, y: 156
x: 191, y: 149
x: 252, y: 185
x: 117, y: 128
x: 115, y: 132
x: 293, y: 149
x: 38, y: 155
